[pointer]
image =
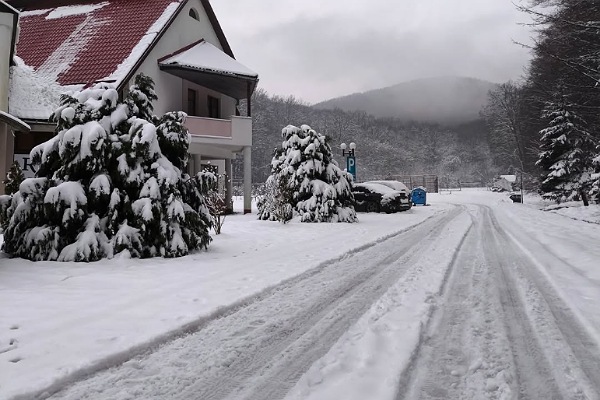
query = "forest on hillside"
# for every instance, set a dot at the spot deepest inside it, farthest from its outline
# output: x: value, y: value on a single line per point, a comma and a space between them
x: 548, y: 126
x: 384, y: 146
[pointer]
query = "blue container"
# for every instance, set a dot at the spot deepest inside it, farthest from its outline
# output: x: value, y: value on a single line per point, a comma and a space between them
x: 419, y: 196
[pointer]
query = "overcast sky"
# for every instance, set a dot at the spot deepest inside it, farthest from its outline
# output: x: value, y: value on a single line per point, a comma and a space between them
x: 319, y: 49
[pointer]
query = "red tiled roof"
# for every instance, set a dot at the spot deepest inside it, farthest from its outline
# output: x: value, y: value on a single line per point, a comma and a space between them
x: 88, y: 47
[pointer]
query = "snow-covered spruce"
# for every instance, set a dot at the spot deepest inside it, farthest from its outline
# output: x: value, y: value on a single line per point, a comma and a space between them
x: 110, y: 180
x: 566, y: 156
x: 306, y: 179
x: 595, y: 189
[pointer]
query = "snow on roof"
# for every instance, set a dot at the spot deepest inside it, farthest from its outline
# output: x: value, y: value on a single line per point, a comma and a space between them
x: 207, y: 57
x: 66, y: 11
x: 376, y: 187
x: 14, y: 121
x: 31, y: 95
x: 81, y: 42
x: 34, y: 12
x: 128, y: 63
x: 510, y: 178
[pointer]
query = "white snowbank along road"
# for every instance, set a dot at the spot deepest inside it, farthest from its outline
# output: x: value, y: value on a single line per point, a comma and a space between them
x: 477, y: 299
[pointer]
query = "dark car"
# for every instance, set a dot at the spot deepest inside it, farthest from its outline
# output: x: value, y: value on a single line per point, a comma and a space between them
x: 375, y: 197
x: 405, y: 192
x: 516, y: 197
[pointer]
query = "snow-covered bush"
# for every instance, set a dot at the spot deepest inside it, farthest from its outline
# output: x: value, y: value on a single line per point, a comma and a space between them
x: 112, y: 179
x: 14, y: 177
x: 275, y: 204
x: 306, y: 178
x: 217, y: 206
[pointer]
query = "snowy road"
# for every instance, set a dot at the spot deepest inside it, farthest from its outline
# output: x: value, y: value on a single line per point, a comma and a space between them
x: 502, y: 331
x: 468, y: 304
x: 260, y: 350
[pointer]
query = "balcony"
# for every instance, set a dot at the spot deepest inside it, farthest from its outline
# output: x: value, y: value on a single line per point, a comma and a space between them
x: 231, y: 135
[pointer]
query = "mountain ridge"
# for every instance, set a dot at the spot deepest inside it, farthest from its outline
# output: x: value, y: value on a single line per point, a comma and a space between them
x: 447, y: 100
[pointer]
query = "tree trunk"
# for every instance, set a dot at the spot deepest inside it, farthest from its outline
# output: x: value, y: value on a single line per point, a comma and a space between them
x: 584, y: 198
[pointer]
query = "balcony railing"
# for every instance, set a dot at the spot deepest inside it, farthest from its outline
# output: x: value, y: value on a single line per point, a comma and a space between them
x: 201, y: 126
x: 236, y: 131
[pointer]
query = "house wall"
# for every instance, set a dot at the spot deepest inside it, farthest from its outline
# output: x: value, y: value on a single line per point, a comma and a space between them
x: 171, y: 90
x: 6, y: 142
x: 6, y: 32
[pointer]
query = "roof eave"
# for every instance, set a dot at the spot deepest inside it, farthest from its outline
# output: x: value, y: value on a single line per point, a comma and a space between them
x: 14, y: 122
x: 237, y: 86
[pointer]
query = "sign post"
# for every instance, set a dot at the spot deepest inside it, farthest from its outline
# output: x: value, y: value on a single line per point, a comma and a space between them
x: 351, y: 166
x: 350, y: 159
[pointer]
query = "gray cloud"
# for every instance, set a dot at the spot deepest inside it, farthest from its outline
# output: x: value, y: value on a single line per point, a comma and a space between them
x: 317, y: 52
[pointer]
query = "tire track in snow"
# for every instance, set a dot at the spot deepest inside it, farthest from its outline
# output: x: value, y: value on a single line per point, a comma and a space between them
x: 567, y: 345
x: 261, y: 349
x: 502, y: 332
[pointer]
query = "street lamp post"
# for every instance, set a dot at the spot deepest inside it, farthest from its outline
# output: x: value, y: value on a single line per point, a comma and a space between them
x: 350, y: 159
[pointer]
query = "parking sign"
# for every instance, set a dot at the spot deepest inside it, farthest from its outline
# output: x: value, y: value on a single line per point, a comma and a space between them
x: 351, y: 166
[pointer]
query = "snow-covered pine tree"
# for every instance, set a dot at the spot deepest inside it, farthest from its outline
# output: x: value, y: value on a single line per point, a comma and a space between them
x: 104, y: 185
x: 14, y: 177
x: 325, y: 192
x: 595, y: 187
x: 305, y: 175
x: 565, y: 157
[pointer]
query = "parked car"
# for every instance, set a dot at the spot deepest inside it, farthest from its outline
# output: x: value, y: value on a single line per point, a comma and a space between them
x: 375, y: 197
x: 515, y: 197
x: 405, y: 198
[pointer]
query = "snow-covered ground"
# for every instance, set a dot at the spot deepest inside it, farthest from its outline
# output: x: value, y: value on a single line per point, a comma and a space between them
x: 62, y: 321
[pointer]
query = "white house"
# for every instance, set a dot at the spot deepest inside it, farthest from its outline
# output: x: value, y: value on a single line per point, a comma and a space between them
x: 70, y: 44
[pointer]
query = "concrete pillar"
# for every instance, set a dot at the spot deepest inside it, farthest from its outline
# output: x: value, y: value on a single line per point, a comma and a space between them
x: 229, y: 184
x: 247, y: 179
x: 197, y: 161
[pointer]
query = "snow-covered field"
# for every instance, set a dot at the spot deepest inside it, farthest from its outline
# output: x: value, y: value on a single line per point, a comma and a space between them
x: 61, y: 321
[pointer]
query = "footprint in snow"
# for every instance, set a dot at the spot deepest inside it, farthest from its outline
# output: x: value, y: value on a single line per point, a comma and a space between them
x: 12, y: 344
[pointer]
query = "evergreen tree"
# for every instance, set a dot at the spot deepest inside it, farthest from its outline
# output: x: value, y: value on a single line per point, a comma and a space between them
x: 305, y: 176
x: 595, y: 186
x: 565, y: 159
x: 14, y: 177
x: 105, y: 184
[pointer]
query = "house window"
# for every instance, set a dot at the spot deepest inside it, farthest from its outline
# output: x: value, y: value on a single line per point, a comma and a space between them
x: 191, y: 108
x: 213, y: 107
x: 194, y: 14
x: 25, y: 142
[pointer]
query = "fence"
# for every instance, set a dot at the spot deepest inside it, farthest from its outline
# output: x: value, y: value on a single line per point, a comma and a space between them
x: 429, y: 182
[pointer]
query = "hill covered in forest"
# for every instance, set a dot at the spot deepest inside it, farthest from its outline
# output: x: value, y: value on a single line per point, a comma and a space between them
x: 442, y: 100
x: 385, y: 146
